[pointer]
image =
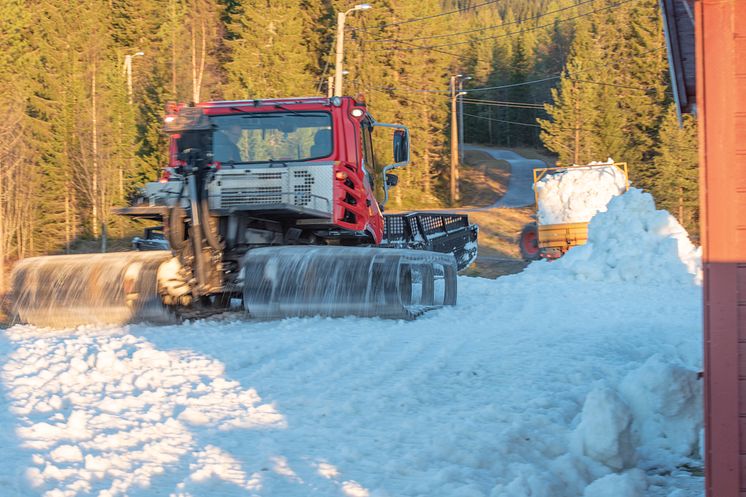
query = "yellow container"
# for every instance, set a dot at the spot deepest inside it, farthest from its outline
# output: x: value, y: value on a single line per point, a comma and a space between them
x: 556, y: 239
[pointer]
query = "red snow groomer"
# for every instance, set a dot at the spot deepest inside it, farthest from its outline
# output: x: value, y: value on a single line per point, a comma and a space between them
x: 272, y: 202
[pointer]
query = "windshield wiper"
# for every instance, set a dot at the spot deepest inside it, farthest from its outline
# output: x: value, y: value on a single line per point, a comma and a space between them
x: 274, y: 162
x: 282, y: 107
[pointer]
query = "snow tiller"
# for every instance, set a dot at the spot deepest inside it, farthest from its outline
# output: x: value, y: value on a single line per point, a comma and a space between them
x: 268, y: 202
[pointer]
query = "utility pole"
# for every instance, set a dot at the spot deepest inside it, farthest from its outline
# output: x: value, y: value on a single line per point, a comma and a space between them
x: 454, y: 143
x: 127, y: 71
x: 339, y: 59
x: 461, y: 79
x: 330, y: 86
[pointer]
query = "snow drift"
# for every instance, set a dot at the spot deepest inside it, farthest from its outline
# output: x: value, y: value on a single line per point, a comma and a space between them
x: 574, y: 378
x: 630, y: 241
x: 578, y: 193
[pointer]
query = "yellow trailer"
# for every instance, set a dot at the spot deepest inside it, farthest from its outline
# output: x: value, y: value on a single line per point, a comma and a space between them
x: 551, y: 241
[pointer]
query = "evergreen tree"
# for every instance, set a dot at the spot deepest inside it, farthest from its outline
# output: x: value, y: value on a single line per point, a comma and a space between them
x: 268, y: 53
x: 572, y: 130
x: 75, y: 142
x: 677, y: 172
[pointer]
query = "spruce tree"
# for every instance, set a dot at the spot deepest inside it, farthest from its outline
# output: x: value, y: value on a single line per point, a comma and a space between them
x: 268, y: 54
x: 571, y: 132
x: 676, y: 182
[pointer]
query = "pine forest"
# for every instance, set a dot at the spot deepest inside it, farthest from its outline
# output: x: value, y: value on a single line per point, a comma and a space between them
x: 84, y: 85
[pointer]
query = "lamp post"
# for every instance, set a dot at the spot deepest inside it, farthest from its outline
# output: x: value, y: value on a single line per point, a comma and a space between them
x: 461, y: 94
x: 127, y: 71
x: 339, y: 62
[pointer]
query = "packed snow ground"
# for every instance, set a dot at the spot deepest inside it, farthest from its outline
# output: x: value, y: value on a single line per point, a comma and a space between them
x: 575, y: 378
x: 578, y: 193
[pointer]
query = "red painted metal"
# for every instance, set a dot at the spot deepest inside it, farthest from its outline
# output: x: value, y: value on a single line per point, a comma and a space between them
x: 347, y: 154
x: 721, y: 102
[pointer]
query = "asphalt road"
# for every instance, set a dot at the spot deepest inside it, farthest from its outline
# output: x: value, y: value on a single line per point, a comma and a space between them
x: 520, y: 192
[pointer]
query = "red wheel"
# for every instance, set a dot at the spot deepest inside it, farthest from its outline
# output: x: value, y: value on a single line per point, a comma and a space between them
x: 529, y: 242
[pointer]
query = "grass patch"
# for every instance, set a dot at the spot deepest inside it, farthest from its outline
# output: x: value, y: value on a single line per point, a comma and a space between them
x: 483, y: 180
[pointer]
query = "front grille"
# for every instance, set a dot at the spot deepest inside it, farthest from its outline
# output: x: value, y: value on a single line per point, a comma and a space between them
x: 304, y: 189
x: 234, y: 197
x: 267, y: 176
x: 302, y: 186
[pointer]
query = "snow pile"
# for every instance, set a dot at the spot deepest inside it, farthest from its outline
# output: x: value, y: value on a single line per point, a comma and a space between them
x: 575, y: 378
x: 651, y: 420
x: 576, y: 194
x: 665, y: 399
x: 631, y: 241
x: 115, y: 408
x: 604, y: 432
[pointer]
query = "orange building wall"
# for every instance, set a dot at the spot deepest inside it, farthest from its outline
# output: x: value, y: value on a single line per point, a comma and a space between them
x: 721, y: 101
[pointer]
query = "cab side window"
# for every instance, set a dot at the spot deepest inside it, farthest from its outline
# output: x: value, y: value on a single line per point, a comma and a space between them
x: 369, y: 160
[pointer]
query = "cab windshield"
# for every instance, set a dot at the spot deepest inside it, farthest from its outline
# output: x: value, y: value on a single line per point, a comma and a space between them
x: 269, y: 137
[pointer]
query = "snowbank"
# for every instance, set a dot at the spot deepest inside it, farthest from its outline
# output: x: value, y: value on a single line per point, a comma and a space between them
x: 631, y: 241
x: 578, y: 193
x: 574, y: 378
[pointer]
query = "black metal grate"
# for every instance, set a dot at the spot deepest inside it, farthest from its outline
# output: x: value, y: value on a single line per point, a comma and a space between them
x: 303, y: 190
x: 445, y: 233
x: 394, y: 227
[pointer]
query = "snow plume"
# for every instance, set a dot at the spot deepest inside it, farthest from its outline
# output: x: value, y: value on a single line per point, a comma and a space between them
x: 577, y: 193
x: 630, y: 241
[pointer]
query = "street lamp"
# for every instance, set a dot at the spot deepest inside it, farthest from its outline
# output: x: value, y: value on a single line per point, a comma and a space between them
x: 127, y: 71
x: 457, y: 136
x: 461, y: 93
x: 339, y: 62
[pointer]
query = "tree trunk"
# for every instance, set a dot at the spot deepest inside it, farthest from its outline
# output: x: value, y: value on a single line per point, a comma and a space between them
x: 2, y: 236
x: 67, y: 219
x: 173, y: 50
x: 681, y: 205
x: 198, y: 69
x: 94, y: 155
x: 195, y: 91
x: 576, y: 152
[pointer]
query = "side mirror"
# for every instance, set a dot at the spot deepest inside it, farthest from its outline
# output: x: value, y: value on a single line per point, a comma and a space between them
x: 401, y: 146
x: 391, y: 179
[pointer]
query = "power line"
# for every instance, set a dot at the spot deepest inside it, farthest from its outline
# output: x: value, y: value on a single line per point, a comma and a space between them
x: 523, y: 83
x: 407, y: 89
x: 503, y: 121
x: 512, y: 105
x: 487, y: 101
x: 625, y: 137
x: 417, y: 19
x: 513, y: 33
x: 558, y: 76
x: 427, y: 104
x: 519, y: 21
x: 617, y: 85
